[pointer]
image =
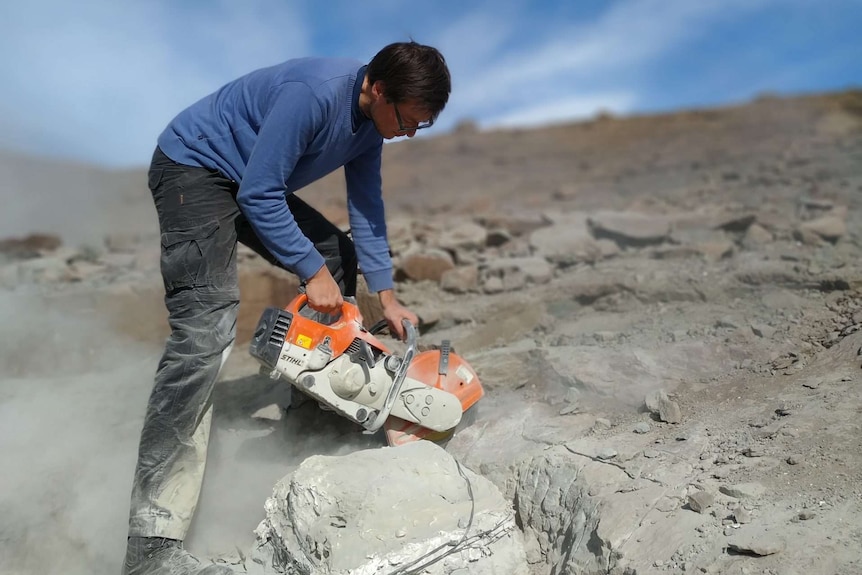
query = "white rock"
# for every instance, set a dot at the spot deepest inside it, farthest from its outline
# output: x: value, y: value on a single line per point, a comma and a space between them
x: 830, y: 228
x: 271, y: 412
x: 382, y: 508
x: 461, y: 279
x: 462, y: 236
x: 743, y: 490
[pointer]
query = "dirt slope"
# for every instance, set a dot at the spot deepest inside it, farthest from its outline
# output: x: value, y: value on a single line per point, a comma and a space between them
x: 712, y: 255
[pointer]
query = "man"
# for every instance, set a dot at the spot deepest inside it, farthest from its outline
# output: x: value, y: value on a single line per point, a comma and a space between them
x: 225, y: 170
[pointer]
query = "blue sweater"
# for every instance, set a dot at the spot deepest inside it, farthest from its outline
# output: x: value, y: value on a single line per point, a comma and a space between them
x: 277, y: 130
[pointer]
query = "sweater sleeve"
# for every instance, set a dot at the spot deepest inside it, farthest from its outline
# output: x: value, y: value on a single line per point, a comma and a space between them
x: 285, y: 133
x: 367, y: 218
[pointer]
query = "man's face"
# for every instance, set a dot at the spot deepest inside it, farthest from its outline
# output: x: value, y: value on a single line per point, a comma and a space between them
x: 401, y: 120
x: 395, y: 120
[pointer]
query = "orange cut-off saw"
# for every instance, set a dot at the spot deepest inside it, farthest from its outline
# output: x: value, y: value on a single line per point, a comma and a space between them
x: 341, y: 364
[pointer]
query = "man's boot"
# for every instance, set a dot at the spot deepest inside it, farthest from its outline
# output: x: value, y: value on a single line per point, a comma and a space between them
x: 159, y: 556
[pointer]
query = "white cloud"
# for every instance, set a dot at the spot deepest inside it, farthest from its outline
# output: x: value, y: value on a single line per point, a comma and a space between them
x: 581, y: 57
x: 237, y: 37
x: 100, y: 79
x: 563, y: 109
x: 476, y: 37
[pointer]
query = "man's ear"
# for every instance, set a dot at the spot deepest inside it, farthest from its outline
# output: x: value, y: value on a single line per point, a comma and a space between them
x: 378, y: 89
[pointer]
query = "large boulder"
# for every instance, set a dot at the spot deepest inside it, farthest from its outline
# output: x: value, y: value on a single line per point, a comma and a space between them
x: 411, y: 508
x: 425, y: 264
x: 568, y: 241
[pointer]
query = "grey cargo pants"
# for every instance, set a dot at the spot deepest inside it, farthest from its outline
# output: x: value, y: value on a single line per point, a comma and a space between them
x: 200, y: 225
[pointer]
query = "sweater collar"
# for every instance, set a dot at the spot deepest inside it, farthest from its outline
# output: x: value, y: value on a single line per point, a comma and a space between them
x: 357, y: 117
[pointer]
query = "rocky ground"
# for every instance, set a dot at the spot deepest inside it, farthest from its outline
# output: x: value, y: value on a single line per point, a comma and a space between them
x: 665, y: 313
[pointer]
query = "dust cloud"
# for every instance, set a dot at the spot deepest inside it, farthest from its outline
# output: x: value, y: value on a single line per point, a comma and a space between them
x: 79, y: 203
x: 72, y: 397
x: 257, y: 440
x: 72, y: 400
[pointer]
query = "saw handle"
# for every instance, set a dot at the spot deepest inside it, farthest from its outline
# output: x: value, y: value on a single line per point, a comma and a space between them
x: 349, y: 311
x: 398, y: 379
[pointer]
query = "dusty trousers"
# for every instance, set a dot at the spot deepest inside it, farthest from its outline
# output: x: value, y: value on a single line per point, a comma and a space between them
x: 200, y: 224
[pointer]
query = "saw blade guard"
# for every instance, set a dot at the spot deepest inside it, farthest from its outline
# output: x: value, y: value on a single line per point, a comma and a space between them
x: 444, y: 370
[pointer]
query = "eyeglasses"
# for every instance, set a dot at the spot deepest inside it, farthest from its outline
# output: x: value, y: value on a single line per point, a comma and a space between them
x: 403, y: 128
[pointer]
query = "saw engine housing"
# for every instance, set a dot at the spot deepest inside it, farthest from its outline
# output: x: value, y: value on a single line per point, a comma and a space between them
x: 342, y: 365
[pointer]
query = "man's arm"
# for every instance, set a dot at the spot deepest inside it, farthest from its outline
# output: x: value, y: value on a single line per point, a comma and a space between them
x: 294, y: 119
x: 368, y: 227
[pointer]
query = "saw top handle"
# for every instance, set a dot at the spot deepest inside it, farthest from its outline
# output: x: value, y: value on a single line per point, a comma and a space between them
x: 349, y: 311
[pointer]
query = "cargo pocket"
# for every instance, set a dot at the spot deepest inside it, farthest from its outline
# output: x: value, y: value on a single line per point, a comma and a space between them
x: 185, y: 255
x: 154, y: 178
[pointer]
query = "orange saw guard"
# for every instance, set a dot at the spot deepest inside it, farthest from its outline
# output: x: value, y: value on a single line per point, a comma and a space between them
x: 460, y: 380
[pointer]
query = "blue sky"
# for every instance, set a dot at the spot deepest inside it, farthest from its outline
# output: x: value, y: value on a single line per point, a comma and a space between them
x: 97, y: 80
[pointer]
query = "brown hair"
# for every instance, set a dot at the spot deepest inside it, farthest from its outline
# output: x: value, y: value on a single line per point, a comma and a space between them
x: 411, y: 71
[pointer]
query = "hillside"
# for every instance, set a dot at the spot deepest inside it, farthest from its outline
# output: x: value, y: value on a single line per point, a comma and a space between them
x: 665, y: 312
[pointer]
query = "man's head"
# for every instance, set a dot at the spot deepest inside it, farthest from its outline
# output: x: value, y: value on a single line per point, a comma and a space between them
x: 411, y: 80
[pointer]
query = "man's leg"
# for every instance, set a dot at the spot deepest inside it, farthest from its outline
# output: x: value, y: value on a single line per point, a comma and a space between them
x: 197, y: 213
x: 173, y: 446
x: 333, y: 244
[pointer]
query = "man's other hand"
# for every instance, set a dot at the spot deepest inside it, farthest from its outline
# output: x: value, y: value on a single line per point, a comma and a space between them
x: 323, y: 293
x: 394, y: 312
